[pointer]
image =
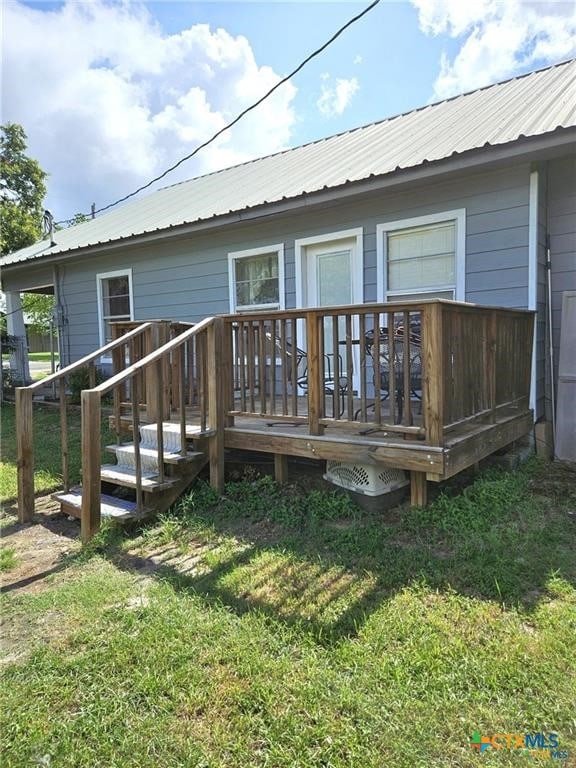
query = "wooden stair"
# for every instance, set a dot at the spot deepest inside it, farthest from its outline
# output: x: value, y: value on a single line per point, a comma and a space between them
x: 120, y: 479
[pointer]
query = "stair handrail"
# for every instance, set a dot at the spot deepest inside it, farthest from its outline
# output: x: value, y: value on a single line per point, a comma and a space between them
x: 24, y: 420
x: 100, y: 352
x: 91, y: 416
x: 152, y: 357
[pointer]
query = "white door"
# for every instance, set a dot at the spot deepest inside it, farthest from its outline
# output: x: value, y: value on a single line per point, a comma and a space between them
x: 330, y: 280
x: 333, y: 278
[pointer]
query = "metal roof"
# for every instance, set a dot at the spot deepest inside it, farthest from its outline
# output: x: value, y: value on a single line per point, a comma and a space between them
x: 531, y: 105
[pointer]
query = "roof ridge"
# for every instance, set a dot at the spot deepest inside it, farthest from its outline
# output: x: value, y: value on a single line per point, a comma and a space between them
x: 371, y: 124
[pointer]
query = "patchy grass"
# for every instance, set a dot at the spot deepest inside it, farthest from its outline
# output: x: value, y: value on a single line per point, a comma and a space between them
x: 47, y: 460
x: 42, y: 357
x: 278, y: 628
x: 8, y: 559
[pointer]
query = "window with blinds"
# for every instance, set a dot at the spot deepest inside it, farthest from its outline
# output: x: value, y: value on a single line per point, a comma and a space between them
x: 422, y: 261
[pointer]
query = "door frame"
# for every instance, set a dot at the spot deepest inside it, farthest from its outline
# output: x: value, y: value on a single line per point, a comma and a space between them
x: 300, y: 246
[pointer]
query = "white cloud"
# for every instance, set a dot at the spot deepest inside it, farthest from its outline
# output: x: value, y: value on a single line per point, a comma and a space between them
x: 357, y: 59
x: 498, y: 39
x: 108, y: 100
x: 334, y: 98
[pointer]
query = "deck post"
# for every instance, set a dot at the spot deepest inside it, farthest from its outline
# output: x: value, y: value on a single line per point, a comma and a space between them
x: 315, y: 373
x: 91, y: 490
x: 25, y: 454
x: 281, y: 467
x: 216, y: 404
x: 433, y: 374
x: 418, y: 489
x: 491, y: 330
x: 227, y: 373
x: 156, y: 337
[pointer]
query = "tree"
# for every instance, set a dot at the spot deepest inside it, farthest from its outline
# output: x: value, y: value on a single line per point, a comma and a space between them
x: 38, y: 308
x: 22, y: 190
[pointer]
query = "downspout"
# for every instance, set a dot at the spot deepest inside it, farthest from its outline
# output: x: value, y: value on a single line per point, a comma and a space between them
x: 533, y: 280
x: 550, y: 335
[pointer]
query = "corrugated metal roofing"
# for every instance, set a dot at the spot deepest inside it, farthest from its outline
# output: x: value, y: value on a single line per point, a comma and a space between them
x: 531, y: 105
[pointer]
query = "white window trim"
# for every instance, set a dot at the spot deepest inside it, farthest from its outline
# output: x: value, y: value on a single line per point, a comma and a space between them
x: 104, y: 276
x: 233, y: 256
x: 300, y: 246
x: 458, y: 216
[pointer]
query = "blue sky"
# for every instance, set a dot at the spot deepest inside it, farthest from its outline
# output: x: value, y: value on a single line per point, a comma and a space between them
x: 111, y: 94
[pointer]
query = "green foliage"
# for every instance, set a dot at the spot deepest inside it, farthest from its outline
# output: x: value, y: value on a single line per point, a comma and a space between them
x: 8, y: 559
x: 79, y: 380
x: 38, y: 308
x: 22, y: 191
x: 78, y: 218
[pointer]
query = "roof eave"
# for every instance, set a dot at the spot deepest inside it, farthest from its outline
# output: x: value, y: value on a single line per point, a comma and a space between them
x: 524, y: 148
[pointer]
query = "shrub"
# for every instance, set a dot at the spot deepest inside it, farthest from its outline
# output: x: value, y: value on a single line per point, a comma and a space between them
x: 79, y: 380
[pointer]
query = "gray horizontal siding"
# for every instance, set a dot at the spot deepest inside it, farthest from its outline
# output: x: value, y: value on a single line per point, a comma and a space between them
x: 187, y: 279
x: 562, y: 230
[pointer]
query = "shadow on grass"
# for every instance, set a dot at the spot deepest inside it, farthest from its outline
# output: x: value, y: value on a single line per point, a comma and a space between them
x: 317, y: 562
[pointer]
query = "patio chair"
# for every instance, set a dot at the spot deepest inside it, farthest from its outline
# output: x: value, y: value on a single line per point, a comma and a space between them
x: 336, y: 390
x: 382, y: 367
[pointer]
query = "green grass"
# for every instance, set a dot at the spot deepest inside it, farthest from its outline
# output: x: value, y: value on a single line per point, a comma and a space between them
x: 42, y: 357
x: 47, y: 459
x: 8, y: 559
x: 281, y: 628
x: 38, y: 357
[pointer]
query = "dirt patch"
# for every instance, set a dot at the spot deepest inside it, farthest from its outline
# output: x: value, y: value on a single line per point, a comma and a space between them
x: 39, y: 546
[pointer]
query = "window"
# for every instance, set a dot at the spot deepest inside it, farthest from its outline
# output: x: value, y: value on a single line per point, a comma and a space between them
x: 422, y: 257
x: 115, y: 301
x: 257, y: 279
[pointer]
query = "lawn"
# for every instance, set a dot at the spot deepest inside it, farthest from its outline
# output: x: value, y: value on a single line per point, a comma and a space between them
x: 42, y: 357
x: 47, y: 456
x: 37, y: 357
x: 288, y: 628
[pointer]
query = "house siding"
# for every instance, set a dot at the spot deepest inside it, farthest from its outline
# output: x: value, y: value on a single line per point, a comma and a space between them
x: 188, y: 279
x: 561, y: 223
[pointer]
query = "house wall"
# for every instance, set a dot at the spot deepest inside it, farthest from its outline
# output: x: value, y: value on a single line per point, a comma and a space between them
x: 561, y: 225
x: 187, y: 279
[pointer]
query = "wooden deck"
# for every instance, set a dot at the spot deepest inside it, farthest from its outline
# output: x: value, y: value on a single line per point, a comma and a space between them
x: 430, y: 387
x: 370, y: 443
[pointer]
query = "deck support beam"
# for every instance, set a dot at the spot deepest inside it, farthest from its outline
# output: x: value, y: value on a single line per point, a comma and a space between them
x: 418, y: 489
x: 281, y: 467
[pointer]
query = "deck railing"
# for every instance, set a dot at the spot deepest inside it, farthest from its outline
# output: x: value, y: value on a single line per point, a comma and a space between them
x: 122, y: 346
x: 192, y: 354
x: 417, y: 368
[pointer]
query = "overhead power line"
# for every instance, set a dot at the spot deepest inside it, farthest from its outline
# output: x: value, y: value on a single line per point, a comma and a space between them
x: 227, y: 127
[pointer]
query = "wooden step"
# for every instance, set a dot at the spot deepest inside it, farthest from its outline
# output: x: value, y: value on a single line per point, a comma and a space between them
x: 111, y: 507
x: 152, y: 453
x: 126, y: 477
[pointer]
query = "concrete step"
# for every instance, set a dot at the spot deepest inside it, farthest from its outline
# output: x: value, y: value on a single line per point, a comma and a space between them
x: 126, y: 477
x: 126, y: 456
x: 111, y: 507
x: 170, y: 435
